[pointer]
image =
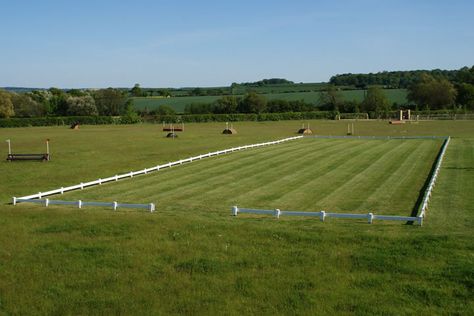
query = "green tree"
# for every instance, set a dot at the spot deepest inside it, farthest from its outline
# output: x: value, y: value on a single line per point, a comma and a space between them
x: 466, y: 75
x: 24, y: 106
x: 81, y: 106
x: 129, y: 115
x: 6, y: 105
x: 43, y: 97
x: 164, y: 93
x: 330, y: 99
x: 252, y: 103
x: 58, y: 104
x: 76, y: 93
x: 376, y: 102
x: 432, y: 93
x: 110, y: 101
x: 165, y: 110
x: 227, y: 105
x: 136, y: 91
x: 465, y: 95
x: 197, y: 92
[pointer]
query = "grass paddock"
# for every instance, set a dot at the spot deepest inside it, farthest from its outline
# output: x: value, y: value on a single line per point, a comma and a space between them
x: 179, y: 260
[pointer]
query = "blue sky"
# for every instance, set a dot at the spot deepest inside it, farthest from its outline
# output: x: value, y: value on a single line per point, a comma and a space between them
x: 102, y: 43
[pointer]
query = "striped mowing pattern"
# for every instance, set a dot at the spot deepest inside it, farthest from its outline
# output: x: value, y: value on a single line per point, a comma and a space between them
x: 312, y: 174
x: 131, y: 174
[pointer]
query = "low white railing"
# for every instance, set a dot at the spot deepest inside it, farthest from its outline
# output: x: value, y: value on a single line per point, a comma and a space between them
x: 376, y: 137
x: 434, y: 176
x: 80, y: 204
x: 131, y: 174
x: 370, y: 217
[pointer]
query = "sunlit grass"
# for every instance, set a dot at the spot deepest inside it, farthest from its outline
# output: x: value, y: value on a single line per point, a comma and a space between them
x: 184, y: 260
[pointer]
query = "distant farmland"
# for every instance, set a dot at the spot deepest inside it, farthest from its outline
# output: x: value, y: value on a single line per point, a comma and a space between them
x: 179, y: 103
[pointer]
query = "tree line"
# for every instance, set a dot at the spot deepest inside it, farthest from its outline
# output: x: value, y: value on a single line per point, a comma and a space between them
x: 435, y: 90
x: 57, y: 102
x: 397, y: 79
x: 330, y: 100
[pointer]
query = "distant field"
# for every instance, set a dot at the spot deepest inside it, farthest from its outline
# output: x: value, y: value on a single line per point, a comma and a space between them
x: 191, y: 257
x: 281, y: 88
x: 179, y: 103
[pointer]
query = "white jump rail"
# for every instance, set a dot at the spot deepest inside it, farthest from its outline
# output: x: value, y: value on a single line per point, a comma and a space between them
x: 131, y: 174
x: 322, y: 215
x: 434, y: 176
x: 80, y: 204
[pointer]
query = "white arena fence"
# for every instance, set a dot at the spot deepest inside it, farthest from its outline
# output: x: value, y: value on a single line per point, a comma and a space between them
x: 434, y: 177
x: 80, y: 204
x: 369, y: 216
x: 377, y: 137
x: 37, y: 198
x: 322, y: 215
x: 131, y: 174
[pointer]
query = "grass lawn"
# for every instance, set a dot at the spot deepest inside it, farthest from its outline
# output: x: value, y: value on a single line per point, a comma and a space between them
x: 379, y: 176
x: 183, y: 260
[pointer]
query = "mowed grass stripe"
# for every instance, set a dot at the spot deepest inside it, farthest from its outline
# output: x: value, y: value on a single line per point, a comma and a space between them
x: 169, y: 177
x: 456, y: 180
x: 403, y: 186
x: 231, y: 180
x: 254, y: 186
x: 306, y: 175
x: 357, y: 186
x: 281, y: 190
x: 192, y: 176
x: 323, y: 182
x: 360, y: 186
x: 214, y: 171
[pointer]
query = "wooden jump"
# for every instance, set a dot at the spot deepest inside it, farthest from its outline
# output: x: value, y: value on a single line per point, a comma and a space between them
x: 173, y: 128
x: 41, y: 156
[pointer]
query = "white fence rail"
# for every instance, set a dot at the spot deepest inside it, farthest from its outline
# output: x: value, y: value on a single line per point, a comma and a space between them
x: 131, y: 174
x: 434, y: 176
x: 370, y: 217
x: 376, y: 137
x: 80, y: 204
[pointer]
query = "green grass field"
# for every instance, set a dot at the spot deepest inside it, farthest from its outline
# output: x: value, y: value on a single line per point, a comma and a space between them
x: 179, y: 103
x: 183, y: 259
x: 309, y: 175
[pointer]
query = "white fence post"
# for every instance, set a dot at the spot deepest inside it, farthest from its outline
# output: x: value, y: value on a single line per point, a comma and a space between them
x: 115, y: 205
x: 14, y: 200
x: 235, y: 210
x: 420, y: 220
x: 79, y: 204
x: 323, y: 216
x: 152, y: 207
x: 277, y: 213
x: 46, y: 202
x: 370, y: 217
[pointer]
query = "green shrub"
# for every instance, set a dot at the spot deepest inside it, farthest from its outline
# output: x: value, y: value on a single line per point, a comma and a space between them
x: 198, y: 118
x: 58, y: 120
